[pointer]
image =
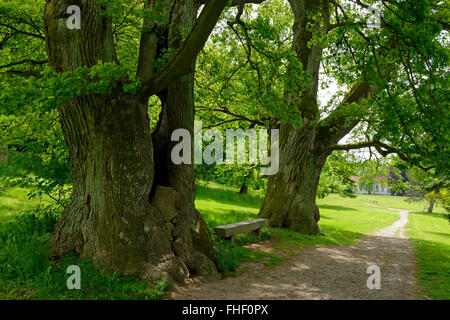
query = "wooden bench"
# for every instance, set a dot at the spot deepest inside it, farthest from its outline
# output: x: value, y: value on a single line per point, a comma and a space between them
x: 230, y: 230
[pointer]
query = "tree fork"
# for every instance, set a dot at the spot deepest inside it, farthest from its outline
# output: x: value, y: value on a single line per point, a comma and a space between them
x: 114, y: 217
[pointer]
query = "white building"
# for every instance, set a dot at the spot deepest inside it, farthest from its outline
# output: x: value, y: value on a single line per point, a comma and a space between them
x: 377, y: 187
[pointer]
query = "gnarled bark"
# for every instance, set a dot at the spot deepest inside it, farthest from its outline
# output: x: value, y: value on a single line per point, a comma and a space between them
x: 290, y: 200
x: 110, y: 218
x: 131, y: 209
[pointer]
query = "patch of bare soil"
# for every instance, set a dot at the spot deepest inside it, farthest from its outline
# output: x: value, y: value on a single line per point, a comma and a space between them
x: 338, y: 272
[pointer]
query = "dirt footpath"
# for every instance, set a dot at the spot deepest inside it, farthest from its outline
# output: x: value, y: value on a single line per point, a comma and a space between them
x: 338, y: 272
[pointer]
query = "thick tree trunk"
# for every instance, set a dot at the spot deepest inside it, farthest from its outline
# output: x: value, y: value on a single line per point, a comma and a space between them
x: 290, y: 200
x: 190, y: 234
x: 431, y: 206
x: 244, y: 188
x: 110, y: 217
x: 4, y: 155
x: 131, y: 209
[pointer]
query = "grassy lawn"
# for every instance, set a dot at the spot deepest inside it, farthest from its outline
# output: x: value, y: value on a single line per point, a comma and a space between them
x: 417, y: 204
x: 26, y: 272
x: 14, y: 200
x: 343, y: 220
x: 430, y: 236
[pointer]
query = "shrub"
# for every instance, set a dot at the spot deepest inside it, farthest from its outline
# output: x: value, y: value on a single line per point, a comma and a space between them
x: 95, y: 283
x: 24, y: 244
x: 25, y: 267
x: 228, y: 256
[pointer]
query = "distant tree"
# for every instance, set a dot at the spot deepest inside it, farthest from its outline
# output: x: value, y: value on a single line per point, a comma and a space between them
x: 336, y: 175
x: 397, y: 181
x: 394, y: 76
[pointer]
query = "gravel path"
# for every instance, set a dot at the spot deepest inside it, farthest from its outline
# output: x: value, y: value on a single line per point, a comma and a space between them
x: 322, y: 272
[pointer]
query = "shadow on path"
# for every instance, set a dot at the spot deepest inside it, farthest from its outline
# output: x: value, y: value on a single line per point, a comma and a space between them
x: 331, y: 272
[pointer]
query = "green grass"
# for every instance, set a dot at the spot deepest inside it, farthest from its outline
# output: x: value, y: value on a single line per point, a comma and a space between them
x: 430, y: 237
x: 343, y: 220
x: 417, y: 204
x: 14, y: 200
x: 220, y: 206
x: 27, y: 274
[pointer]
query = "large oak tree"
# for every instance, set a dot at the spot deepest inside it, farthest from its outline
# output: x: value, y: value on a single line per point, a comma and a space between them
x: 131, y: 209
x: 395, y: 102
x: 128, y: 209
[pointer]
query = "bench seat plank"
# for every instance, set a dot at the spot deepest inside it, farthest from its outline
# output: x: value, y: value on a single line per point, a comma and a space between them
x: 233, y: 229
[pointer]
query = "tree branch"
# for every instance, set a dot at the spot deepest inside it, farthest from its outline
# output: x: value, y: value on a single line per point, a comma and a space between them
x: 24, y: 74
x: 338, y: 123
x: 235, y: 3
x: 181, y: 63
x: 238, y: 117
x: 22, y: 32
x: 382, y: 148
x: 344, y: 24
x: 31, y: 61
x: 354, y: 146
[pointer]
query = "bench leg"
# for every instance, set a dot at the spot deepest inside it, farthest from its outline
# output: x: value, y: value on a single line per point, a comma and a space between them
x: 257, y: 233
x: 231, y: 239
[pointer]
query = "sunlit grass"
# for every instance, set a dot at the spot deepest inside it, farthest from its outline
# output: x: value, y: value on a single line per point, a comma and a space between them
x: 220, y: 207
x: 417, y: 204
x: 14, y: 200
x: 27, y: 273
x: 343, y: 220
x: 430, y: 236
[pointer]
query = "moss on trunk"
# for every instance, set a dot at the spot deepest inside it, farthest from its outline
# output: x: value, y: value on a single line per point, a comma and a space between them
x: 114, y: 215
x: 290, y: 200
